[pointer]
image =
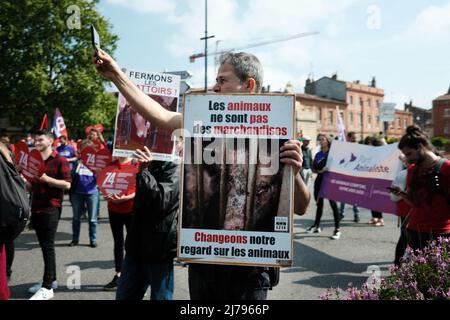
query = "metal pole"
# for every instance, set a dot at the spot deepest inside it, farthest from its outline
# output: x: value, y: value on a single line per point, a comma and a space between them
x: 206, y: 45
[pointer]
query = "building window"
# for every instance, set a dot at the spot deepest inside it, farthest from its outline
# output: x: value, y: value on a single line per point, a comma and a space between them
x: 369, y: 103
x: 398, y: 123
x: 378, y: 120
x: 351, y: 118
x: 361, y: 102
x: 351, y: 99
x: 330, y: 118
x: 405, y: 124
x: 446, y: 112
x: 369, y: 122
x: 359, y: 118
x: 446, y: 128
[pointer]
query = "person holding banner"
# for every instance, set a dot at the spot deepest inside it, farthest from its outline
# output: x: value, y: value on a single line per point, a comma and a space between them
x: 351, y: 137
x: 306, y: 171
x: 47, y: 197
x: 120, y: 211
x: 238, y: 73
x: 428, y: 189
x: 377, y: 217
x: 84, y: 195
x: 151, y: 242
x: 318, y: 167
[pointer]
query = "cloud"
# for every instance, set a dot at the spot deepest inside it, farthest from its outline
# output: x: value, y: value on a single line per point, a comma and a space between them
x: 238, y: 24
x: 145, y: 6
x: 432, y: 25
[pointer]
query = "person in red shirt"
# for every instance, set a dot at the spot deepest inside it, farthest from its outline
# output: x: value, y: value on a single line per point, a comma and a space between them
x: 47, y: 197
x: 428, y: 189
x: 97, y: 139
x: 120, y: 210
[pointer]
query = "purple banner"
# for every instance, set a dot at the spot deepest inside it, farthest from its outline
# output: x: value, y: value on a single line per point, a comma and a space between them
x: 366, y: 193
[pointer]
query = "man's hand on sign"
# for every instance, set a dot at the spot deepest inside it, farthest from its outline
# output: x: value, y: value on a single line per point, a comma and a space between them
x: 291, y: 154
x: 106, y: 66
x: 144, y: 158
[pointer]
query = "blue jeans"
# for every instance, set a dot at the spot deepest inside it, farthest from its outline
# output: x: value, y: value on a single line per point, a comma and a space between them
x: 342, y: 210
x: 79, y: 203
x: 136, y: 277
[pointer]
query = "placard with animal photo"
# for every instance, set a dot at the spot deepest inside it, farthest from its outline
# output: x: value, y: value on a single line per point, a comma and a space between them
x: 237, y: 197
x: 133, y: 131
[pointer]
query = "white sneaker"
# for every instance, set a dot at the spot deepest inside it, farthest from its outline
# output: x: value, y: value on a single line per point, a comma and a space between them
x: 43, y: 294
x: 336, y: 235
x: 37, y: 286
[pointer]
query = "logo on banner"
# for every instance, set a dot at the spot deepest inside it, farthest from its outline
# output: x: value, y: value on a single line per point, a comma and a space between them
x: 59, y: 127
x: 109, y: 180
x: 114, y: 180
x: 95, y: 160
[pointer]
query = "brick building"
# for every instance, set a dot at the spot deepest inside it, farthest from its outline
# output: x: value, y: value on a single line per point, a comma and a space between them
x: 316, y: 115
x: 422, y: 117
x: 397, y: 128
x: 441, y: 115
x: 363, y: 101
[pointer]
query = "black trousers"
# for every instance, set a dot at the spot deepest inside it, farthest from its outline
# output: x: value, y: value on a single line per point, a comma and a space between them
x: 118, y: 221
x: 419, y: 240
x: 220, y: 282
x: 9, y: 250
x: 45, y: 225
x: 376, y: 214
x: 402, y: 242
x: 319, y: 213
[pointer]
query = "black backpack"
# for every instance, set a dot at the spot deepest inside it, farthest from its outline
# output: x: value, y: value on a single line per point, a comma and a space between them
x: 14, y: 203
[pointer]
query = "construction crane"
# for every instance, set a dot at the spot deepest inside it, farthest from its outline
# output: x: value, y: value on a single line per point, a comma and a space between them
x: 193, y: 57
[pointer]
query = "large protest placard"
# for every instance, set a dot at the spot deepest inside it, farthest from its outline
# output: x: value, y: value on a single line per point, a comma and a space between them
x: 117, y: 179
x: 237, y: 197
x: 360, y: 175
x: 30, y: 162
x: 133, y: 131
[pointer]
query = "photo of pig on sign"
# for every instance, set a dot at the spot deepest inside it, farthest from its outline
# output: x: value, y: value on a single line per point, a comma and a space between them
x: 237, y: 197
x: 133, y: 131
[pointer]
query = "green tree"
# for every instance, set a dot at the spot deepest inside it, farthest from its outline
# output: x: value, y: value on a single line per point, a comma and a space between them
x: 439, y: 142
x: 46, y: 62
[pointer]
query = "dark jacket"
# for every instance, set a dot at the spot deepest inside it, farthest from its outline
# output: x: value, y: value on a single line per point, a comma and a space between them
x: 153, y: 233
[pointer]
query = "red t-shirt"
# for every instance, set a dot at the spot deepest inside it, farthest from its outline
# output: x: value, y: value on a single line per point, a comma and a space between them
x: 126, y: 206
x: 432, y: 210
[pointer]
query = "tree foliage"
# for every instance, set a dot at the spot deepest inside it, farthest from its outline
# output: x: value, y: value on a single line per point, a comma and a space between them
x: 45, y: 54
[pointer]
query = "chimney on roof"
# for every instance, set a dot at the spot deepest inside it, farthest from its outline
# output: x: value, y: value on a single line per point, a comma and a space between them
x: 334, y: 76
x: 373, y: 83
x: 357, y: 81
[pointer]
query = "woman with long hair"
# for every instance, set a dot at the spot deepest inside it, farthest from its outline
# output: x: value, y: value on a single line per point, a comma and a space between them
x: 318, y: 167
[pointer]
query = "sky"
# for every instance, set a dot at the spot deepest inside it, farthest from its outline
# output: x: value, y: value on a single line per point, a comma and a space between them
x: 405, y: 44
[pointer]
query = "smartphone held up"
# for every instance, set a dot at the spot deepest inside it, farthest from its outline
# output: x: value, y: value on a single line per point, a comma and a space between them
x: 95, y: 38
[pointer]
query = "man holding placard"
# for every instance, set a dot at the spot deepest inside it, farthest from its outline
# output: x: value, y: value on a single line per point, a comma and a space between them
x: 238, y: 73
x: 47, y: 196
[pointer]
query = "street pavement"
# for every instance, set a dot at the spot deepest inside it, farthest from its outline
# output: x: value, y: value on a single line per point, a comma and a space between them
x: 319, y: 262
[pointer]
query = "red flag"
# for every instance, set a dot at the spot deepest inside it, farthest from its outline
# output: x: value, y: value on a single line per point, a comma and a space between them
x: 44, y: 123
x: 59, y: 127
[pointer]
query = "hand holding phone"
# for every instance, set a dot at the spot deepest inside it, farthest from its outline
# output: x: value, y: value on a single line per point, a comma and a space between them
x: 95, y: 38
x: 396, y: 191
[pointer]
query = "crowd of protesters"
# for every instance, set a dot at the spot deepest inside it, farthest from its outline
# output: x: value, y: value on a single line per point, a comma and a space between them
x: 148, y: 212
